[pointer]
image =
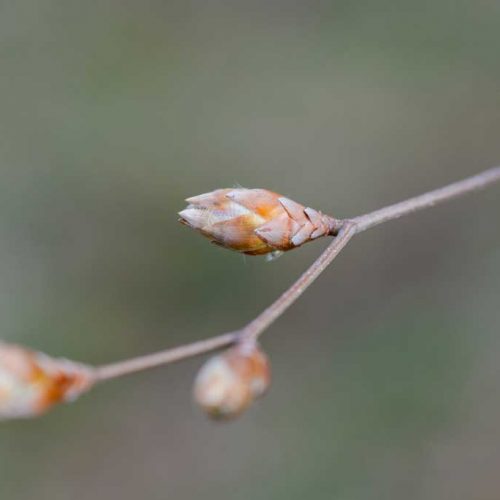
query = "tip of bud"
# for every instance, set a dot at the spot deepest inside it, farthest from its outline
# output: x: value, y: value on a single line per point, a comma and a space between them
x: 193, y: 217
x: 228, y: 383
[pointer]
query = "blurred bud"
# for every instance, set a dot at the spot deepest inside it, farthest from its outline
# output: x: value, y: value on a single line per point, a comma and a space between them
x: 229, y: 382
x: 255, y: 221
x: 31, y: 382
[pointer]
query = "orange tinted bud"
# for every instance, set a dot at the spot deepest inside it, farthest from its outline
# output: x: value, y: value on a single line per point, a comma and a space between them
x: 31, y: 382
x: 228, y: 383
x: 254, y: 221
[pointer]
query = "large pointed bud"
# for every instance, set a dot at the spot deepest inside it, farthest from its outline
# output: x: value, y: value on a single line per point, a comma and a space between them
x: 255, y: 221
x: 229, y: 382
x: 32, y: 382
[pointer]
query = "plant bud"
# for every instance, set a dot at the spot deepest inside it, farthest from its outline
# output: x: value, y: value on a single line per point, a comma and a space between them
x: 255, y: 221
x: 31, y: 382
x: 229, y: 382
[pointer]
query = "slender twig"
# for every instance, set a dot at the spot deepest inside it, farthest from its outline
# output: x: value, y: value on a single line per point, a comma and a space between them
x: 276, y: 309
x: 426, y: 200
x: 347, y: 230
x: 168, y: 356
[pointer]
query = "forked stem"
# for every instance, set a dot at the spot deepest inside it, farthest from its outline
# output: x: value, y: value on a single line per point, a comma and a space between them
x: 346, y: 230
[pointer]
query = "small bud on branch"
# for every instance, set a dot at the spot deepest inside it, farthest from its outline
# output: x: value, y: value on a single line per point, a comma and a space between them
x: 32, y: 382
x: 228, y: 383
x: 255, y: 221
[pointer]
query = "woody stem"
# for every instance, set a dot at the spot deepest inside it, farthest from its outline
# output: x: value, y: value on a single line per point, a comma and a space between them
x: 255, y: 328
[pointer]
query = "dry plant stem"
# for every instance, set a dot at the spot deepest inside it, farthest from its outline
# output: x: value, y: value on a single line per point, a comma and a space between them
x: 247, y: 334
x: 252, y: 331
x: 426, y: 200
x: 168, y: 356
x: 348, y: 229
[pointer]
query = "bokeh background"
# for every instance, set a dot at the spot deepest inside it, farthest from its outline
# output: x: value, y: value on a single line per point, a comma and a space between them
x: 386, y: 373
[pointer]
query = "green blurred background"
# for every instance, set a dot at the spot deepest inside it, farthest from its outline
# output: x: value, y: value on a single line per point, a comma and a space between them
x: 386, y: 373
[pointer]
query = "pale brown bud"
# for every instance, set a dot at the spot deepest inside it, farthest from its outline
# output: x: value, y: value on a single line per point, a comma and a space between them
x: 31, y: 382
x: 229, y: 382
x: 255, y: 221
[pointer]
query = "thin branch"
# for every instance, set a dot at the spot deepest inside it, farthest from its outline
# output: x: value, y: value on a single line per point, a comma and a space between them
x: 348, y: 229
x: 168, y: 356
x: 426, y: 200
x: 255, y: 328
x: 249, y: 333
